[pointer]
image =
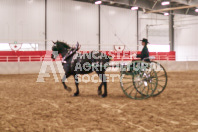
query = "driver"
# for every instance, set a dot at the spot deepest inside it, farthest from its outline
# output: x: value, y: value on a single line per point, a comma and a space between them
x: 145, y: 53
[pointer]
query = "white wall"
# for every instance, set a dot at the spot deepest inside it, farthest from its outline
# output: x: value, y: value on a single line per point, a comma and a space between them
x: 186, y: 37
x: 158, y: 30
x: 73, y: 21
x: 67, y: 20
x: 22, y: 21
x: 118, y: 27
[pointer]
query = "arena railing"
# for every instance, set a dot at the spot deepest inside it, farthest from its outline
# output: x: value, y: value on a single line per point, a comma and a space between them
x: 41, y: 56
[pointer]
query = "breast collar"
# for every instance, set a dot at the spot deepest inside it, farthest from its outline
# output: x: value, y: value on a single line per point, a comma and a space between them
x: 73, y: 58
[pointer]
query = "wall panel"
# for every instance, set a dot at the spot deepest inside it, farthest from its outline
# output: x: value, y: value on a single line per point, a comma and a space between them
x: 186, y: 38
x: 73, y: 21
x: 155, y: 27
x: 118, y: 27
x: 22, y: 21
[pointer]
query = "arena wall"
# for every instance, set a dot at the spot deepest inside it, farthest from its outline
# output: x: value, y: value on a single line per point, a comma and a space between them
x: 186, y: 40
x: 35, y: 67
x: 73, y: 21
x: 34, y: 62
x: 78, y: 21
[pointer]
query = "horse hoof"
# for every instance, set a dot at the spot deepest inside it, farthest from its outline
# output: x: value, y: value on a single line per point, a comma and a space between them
x: 75, y: 94
x: 99, y: 92
x: 104, y: 95
x: 68, y: 89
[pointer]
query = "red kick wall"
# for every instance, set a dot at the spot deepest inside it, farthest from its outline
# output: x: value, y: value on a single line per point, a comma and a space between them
x: 21, y: 56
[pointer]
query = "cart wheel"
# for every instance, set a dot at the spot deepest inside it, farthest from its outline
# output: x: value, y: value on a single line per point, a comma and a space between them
x: 138, y: 84
x: 162, y: 77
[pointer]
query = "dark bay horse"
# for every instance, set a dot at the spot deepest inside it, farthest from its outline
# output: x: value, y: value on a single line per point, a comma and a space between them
x: 82, y: 64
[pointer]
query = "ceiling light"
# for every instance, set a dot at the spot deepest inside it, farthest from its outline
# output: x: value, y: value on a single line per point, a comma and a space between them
x: 30, y: 1
x: 134, y: 8
x: 111, y: 2
x: 165, y: 3
x: 98, y: 2
x: 166, y: 14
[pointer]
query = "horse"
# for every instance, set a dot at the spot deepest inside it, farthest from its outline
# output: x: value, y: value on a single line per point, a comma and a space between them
x: 85, y: 63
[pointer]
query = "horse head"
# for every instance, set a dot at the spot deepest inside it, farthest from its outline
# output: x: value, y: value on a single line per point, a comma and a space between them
x: 54, y: 50
x: 59, y: 48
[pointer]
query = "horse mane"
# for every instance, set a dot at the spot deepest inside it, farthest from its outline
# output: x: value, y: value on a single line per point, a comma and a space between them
x: 59, y: 43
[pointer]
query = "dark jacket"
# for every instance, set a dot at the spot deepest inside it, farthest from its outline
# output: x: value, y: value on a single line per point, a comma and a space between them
x: 144, y: 54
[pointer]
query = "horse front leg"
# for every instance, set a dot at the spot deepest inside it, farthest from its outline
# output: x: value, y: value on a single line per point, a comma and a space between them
x: 104, y: 82
x: 104, y: 79
x: 63, y: 82
x: 99, y: 89
x: 76, y: 83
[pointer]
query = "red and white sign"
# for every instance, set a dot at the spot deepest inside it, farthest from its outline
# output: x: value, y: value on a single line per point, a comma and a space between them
x: 15, y: 47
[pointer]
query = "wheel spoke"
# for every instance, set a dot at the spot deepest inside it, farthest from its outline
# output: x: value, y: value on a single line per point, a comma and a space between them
x: 143, y: 89
x: 127, y: 82
x: 137, y: 81
x: 127, y: 78
x: 128, y: 88
x: 162, y: 75
x: 152, y: 88
x: 136, y: 94
x: 148, y: 90
x: 152, y: 82
x: 139, y: 85
x: 131, y: 91
x: 158, y: 72
x: 154, y: 79
x: 158, y: 90
x: 160, y: 85
x: 152, y: 73
x: 161, y: 80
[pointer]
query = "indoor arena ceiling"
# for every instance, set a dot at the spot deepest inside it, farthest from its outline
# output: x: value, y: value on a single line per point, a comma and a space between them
x: 154, y: 6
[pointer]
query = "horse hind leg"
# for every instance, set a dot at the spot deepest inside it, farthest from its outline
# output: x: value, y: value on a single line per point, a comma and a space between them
x: 104, y: 82
x: 76, y: 83
x: 105, y: 85
x: 99, y: 89
x: 63, y: 82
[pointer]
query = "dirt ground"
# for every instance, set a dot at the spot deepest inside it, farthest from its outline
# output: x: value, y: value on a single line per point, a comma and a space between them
x: 26, y: 105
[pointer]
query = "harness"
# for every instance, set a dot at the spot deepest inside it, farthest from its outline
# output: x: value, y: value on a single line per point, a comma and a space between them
x: 74, y: 57
x: 70, y: 53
